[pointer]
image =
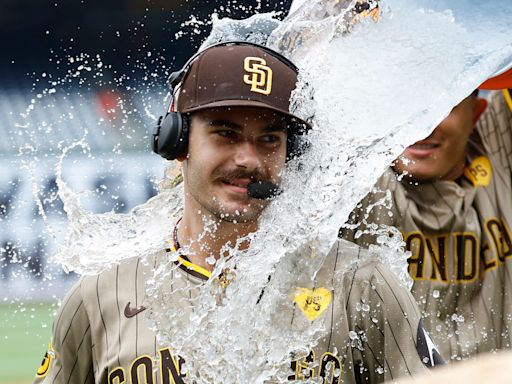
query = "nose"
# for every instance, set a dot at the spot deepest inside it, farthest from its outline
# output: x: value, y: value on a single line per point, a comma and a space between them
x: 247, y: 156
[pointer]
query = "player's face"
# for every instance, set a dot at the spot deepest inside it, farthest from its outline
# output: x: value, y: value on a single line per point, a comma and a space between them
x: 441, y: 155
x: 230, y: 148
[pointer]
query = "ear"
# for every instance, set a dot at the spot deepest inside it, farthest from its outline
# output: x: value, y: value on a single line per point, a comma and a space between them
x: 480, y: 107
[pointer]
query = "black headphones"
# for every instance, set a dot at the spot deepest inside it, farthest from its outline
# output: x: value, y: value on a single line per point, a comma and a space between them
x: 170, y: 136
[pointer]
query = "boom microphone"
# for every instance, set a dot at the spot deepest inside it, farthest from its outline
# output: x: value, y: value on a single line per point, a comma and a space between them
x: 263, y: 190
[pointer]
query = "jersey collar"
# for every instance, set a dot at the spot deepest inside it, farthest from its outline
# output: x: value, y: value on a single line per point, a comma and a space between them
x: 186, y: 265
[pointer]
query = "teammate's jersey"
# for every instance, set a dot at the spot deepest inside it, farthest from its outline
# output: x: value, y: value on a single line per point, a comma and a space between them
x: 459, y: 235
x: 100, y: 334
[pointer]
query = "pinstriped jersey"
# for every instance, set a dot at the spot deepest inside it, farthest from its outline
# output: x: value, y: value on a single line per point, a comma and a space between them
x: 100, y: 335
x: 375, y: 329
x: 460, y: 239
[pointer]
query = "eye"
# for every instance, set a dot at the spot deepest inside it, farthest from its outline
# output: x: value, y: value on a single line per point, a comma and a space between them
x: 271, y: 138
x: 227, y: 134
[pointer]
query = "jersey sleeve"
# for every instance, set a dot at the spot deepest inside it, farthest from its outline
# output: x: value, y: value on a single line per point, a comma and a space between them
x: 388, y: 338
x: 495, y: 130
x: 69, y: 355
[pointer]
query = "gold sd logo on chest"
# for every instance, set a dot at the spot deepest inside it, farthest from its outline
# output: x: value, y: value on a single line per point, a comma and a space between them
x: 259, y: 75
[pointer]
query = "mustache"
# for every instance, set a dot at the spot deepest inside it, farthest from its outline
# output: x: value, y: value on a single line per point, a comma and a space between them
x: 233, y: 174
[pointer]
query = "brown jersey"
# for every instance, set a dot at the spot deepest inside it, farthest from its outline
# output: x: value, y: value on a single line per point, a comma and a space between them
x: 100, y: 335
x: 459, y: 236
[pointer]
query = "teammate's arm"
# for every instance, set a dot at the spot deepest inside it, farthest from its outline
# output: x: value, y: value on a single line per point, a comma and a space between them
x: 69, y: 355
x: 388, y: 324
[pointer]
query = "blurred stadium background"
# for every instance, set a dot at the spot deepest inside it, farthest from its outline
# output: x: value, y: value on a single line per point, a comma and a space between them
x: 69, y: 71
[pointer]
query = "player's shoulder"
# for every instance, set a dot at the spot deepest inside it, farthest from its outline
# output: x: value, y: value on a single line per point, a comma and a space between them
x: 127, y: 272
x: 498, y: 105
x: 388, y: 181
x: 494, y: 131
x: 73, y: 299
x: 497, y: 117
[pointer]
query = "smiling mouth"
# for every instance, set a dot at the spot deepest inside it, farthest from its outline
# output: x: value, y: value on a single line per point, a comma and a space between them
x: 422, y: 148
x: 237, y: 185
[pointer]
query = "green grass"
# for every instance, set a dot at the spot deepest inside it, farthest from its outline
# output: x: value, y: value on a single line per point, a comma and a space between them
x: 25, y: 331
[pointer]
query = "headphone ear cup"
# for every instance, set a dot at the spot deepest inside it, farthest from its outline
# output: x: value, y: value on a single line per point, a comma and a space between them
x: 170, y: 137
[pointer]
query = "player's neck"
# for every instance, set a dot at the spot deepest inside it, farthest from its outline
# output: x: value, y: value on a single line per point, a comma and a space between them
x: 204, y: 236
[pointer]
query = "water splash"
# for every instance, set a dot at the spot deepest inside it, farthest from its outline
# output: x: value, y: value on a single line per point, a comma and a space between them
x: 134, y: 232
x: 376, y: 89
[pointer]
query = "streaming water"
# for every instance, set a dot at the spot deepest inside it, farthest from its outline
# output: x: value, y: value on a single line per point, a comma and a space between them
x: 370, y: 90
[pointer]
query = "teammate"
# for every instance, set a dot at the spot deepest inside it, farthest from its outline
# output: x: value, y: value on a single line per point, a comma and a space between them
x: 451, y: 199
x: 233, y: 129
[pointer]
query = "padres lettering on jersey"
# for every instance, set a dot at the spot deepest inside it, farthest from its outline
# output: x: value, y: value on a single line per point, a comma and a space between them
x: 143, y: 369
x: 468, y: 260
x: 328, y: 368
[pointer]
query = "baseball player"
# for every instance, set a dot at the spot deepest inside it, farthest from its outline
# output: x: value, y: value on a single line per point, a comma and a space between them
x: 450, y: 196
x: 230, y: 126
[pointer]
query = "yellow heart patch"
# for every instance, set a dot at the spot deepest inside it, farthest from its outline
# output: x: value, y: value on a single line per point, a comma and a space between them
x: 313, y: 302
